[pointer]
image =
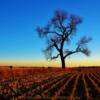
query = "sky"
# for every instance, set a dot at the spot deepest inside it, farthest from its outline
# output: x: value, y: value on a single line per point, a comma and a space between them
x: 19, y: 42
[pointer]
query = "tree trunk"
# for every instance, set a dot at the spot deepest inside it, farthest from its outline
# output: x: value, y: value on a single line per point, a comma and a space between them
x: 63, y: 62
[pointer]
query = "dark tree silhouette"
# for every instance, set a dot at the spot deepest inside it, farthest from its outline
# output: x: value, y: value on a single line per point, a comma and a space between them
x: 58, y: 32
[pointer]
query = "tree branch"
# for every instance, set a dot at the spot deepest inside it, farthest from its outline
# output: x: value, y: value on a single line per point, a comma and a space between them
x: 70, y: 53
x: 56, y: 46
x: 54, y: 57
x: 54, y: 32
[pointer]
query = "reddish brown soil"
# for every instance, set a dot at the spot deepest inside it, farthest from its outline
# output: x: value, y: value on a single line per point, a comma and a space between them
x: 49, y: 83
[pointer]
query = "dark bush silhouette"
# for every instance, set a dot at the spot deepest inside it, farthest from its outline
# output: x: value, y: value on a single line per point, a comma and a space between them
x: 58, y: 33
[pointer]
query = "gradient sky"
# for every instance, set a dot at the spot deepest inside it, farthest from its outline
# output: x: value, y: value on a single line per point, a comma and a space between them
x: 19, y: 42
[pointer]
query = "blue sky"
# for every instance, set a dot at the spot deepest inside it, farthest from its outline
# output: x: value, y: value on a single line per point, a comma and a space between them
x: 19, y: 42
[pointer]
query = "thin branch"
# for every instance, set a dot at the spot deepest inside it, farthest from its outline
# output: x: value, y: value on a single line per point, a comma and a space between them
x: 54, y: 57
x: 54, y: 32
x: 70, y: 53
x: 56, y: 46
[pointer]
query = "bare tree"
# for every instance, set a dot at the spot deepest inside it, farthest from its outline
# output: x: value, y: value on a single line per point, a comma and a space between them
x: 58, y: 32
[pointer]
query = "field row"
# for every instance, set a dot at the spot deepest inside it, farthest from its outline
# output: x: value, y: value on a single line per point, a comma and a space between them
x: 53, y: 84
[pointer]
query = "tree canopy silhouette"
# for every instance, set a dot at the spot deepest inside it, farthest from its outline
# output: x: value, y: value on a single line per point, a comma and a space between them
x: 58, y: 32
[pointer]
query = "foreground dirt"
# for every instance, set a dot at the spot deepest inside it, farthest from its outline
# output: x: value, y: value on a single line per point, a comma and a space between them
x: 49, y: 83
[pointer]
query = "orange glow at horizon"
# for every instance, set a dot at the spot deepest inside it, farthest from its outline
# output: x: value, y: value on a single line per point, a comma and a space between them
x: 55, y: 63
